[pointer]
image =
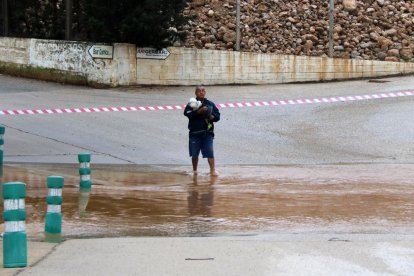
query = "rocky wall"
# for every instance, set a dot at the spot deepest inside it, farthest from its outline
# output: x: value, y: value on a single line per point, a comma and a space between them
x: 369, y: 29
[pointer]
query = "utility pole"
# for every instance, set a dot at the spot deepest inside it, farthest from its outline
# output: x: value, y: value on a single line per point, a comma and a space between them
x: 5, y: 18
x: 238, y: 25
x: 331, y: 28
x: 68, y: 30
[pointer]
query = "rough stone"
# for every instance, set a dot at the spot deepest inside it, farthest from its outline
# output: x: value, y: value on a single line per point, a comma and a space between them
x: 349, y: 5
x: 363, y: 29
x: 197, y: 3
x: 383, y: 41
x: 393, y: 59
x: 393, y: 53
x: 381, y: 56
x: 229, y: 37
x: 210, y: 46
x: 390, y: 32
x: 406, y: 53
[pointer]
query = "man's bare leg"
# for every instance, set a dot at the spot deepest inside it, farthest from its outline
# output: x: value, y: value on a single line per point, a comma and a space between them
x: 212, y: 166
x: 194, y: 160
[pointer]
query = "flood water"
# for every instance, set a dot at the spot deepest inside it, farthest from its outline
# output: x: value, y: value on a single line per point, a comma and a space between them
x: 134, y: 200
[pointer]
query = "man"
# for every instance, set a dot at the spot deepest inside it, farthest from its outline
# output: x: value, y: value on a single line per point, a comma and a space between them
x: 201, y: 128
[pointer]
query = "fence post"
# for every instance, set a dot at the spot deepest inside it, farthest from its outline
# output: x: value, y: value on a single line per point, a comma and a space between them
x: 331, y: 28
x: 238, y: 25
x: 53, y: 223
x: 69, y: 15
x: 5, y: 18
x: 14, y: 215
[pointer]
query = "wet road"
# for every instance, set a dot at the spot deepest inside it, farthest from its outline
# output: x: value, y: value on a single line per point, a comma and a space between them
x: 344, y: 167
x: 131, y: 200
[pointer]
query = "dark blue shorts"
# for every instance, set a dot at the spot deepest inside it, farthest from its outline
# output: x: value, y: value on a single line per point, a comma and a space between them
x: 203, y: 142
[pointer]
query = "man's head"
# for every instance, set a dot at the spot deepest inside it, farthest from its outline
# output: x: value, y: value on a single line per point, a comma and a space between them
x: 200, y: 92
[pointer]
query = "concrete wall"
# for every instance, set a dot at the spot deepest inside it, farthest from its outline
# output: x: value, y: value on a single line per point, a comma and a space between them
x: 193, y: 66
x: 14, y: 50
x: 187, y: 66
x: 74, y: 57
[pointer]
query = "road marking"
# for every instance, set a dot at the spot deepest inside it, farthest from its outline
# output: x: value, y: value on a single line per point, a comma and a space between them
x: 225, y: 105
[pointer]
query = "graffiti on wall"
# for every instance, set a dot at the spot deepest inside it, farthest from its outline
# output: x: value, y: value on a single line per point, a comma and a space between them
x: 64, y: 55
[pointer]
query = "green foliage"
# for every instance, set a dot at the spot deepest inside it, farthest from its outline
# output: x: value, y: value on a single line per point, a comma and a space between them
x: 36, y: 19
x: 144, y: 23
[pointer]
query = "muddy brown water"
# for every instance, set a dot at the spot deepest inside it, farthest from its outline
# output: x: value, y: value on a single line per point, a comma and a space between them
x: 133, y: 200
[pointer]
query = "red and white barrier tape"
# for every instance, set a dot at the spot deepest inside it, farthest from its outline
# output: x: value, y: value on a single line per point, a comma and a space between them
x: 226, y: 105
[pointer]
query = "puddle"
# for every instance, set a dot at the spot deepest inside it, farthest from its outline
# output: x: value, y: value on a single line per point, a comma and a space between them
x: 132, y: 200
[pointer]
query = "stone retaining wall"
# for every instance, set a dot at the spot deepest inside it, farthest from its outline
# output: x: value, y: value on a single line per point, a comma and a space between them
x: 366, y: 30
x: 184, y: 66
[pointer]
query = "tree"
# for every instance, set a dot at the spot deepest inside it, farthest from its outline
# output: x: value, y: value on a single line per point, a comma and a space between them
x: 151, y: 23
x: 36, y: 19
x: 145, y: 23
x: 16, y: 17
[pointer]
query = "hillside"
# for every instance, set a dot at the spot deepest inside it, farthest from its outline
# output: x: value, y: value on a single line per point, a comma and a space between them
x: 371, y: 29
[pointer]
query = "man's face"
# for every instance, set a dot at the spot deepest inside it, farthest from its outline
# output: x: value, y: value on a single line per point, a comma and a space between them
x: 200, y: 93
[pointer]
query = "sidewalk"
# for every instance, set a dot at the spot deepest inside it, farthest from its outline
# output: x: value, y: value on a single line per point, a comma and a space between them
x: 36, y: 251
x: 290, y: 254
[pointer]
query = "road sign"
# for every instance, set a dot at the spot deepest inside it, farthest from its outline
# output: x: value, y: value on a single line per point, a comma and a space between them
x: 101, y: 51
x: 152, y: 53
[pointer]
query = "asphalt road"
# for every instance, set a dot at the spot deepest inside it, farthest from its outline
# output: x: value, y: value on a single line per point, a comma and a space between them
x: 372, y: 131
x: 342, y: 169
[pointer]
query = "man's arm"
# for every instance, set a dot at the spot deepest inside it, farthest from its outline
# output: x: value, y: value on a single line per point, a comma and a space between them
x: 190, y: 113
x: 215, y: 113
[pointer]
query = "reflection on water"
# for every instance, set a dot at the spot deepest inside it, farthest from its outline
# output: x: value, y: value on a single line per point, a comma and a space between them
x: 163, y: 201
x: 53, y: 238
x: 200, y: 200
x: 84, y: 195
x: 201, y: 197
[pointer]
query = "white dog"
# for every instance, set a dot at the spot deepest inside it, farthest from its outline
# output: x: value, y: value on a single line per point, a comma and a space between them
x: 194, y: 104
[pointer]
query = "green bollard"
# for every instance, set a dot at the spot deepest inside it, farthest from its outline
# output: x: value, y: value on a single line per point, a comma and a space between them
x: 14, y: 215
x: 85, y: 178
x: 84, y: 158
x: 85, y: 183
x: 85, y: 171
x: 53, y: 224
x: 2, y: 131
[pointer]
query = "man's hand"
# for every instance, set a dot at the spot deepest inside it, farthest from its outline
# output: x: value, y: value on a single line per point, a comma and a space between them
x: 201, y: 110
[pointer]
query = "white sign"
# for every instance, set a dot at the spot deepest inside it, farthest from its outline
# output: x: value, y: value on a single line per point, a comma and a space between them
x: 152, y: 53
x: 101, y: 51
